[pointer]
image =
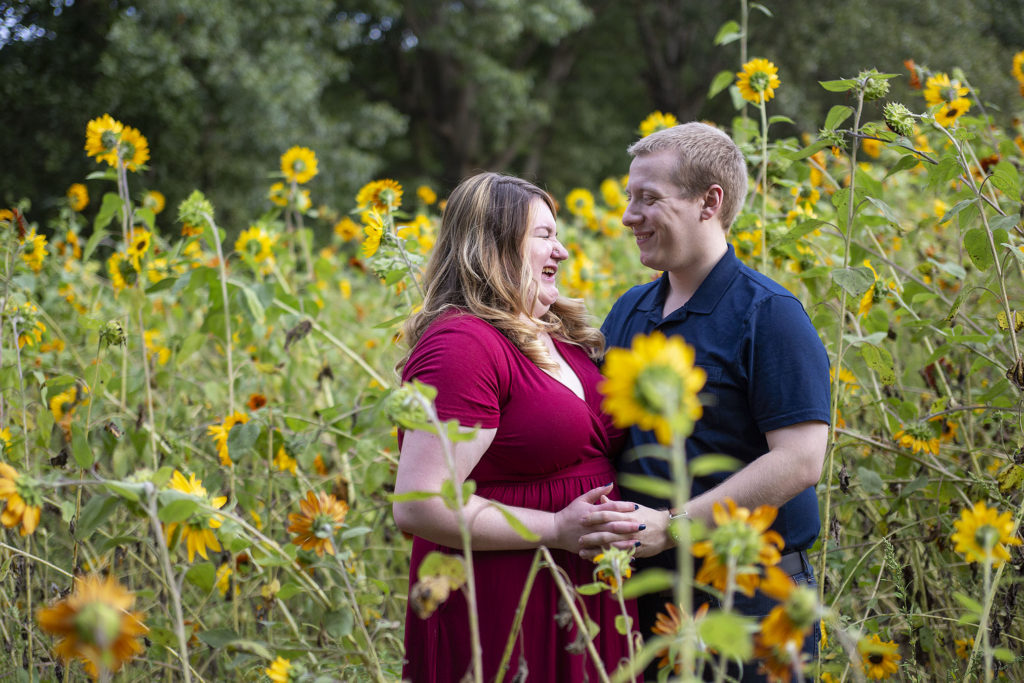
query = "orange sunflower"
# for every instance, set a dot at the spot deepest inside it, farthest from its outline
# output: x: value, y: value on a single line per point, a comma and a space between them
x: 744, y: 536
x: 322, y: 514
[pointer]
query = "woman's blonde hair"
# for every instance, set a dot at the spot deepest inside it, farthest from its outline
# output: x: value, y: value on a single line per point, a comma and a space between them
x: 478, y: 266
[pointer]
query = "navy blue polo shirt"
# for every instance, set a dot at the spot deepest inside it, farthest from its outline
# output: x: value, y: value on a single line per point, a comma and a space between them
x: 766, y: 367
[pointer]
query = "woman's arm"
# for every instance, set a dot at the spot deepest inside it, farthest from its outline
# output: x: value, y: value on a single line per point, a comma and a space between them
x: 422, y: 467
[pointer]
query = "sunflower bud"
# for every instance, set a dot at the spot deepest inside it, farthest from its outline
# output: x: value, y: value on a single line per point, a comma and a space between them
x: 98, y: 624
x: 802, y: 607
x: 833, y: 137
x: 112, y: 334
x: 875, y: 87
x: 406, y: 406
x: 898, y: 118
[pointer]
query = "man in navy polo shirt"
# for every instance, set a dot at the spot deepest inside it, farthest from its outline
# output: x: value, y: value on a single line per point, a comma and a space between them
x: 768, y: 379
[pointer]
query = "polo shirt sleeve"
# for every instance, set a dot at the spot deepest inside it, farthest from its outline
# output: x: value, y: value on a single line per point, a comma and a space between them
x: 462, y: 359
x: 789, y: 378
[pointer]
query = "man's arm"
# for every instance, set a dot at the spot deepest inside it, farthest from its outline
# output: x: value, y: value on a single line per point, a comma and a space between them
x: 793, y: 462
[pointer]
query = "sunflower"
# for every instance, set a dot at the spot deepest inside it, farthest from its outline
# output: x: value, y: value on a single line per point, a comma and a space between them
x: 982, y: 534
x: 915, y: 78
x: 426, y: 194
x: 154, y: 201
x: 278, y: 194
x: 868, y: 300
x: 63, y: 404
x: 102, y: 136
x: 373, y: 228
x: 878, y: 658
x: 743, y: 536
x: 35, y: 251
x: 790, y: 621
x: 151, y: 340
x: 278, y: 670
x: 72, y: 240
x: 197, y: 530
x: 613, y: 567
x: 964, y: 645
x: 757, y: 81
x: 285, y: 462
x: 612, y: 194
x: 122, y: 273
x: 321, y: 515
x: 653, y: 385
x: 383, y: 195
x: 134, y: 148
x: 951, y: 111
x: 940, y: 90
x: 346, y: 229
x: 672, y: 623
x: 580, y: 202
x: 256, y: 401
x: 78, y: 197
x: 220, y: 434
x: 94, y: 625
x: 259, y: 245
x: 656, y: 121
x: 24, y: 501
x: 298, y: 165
x: 223, y: 579
x: 31, y: 329
x: 138, y: 244
x: 919, y: 436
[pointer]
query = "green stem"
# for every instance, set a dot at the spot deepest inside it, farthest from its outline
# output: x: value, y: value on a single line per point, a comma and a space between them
x: 517, y: 623
x: 764, y: 187
x: 683, y: 588
x: 351, y: 594
x: 172, y: 586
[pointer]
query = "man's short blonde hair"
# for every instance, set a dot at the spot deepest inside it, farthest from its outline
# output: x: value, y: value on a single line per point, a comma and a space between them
x: 705, y: 156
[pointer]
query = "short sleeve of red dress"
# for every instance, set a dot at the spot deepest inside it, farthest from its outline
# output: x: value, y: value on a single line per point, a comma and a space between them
x: 473, y: 395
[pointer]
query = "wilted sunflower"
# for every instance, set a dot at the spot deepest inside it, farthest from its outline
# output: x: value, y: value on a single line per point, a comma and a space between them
x: 314, y: 528
x: 672, y: 622
x: 94, y: 625
x: 78, y: 197
x: 653, y: 385
x: 744, y: 536
x: 298, y: 164
x: 220, y: 435
x: 757, y: 81
x: 24, y: 501
x: 613, y: 567
x: 878, y: 659
x: 197, y: 530
x: 982, y: 534
x: 656, y: 121
x: 383, y: 195
x: 790, y: 621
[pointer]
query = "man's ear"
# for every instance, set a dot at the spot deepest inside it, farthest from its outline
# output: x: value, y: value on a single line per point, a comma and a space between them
x: 712, y: 202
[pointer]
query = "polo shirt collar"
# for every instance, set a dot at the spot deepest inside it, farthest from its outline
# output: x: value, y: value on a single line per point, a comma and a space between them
x: 708, y: 293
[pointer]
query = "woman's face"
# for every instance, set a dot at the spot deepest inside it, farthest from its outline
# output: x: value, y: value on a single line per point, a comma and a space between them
x: 543, y: 254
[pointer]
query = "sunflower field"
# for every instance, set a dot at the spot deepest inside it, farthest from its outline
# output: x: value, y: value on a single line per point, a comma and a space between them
x: 198, y: 421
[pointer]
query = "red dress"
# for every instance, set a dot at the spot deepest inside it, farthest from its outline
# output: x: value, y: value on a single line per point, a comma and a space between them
x: 550, y: 447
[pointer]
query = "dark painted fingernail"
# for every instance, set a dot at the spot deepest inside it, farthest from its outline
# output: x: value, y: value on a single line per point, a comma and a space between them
x: 637, y: 544
x: 642, y: 527
x: 607, y: 485
x: 636, y: 506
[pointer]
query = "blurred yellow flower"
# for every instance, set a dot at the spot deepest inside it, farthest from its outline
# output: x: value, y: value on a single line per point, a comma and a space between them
x: 298, y: 165
x: 197, y: 530
x: 951, y: 111
x: 102, y: 136
x: 278, y: 194
x: 35, y: 251
x: 940, y: 90
x: 656, y: 121
x: 24, y: 503
x: 426, y: 194
x: 580, y: 202
x: 322, y: 514
x: 279, y: 670
x: 134, y: 148
x: 154, y: 201
x: 757, y: 81
x: 347, y: 229
x: 382, y: 195
x: 94, y: 624
x: 138, y: 244
x: 612, y: 193
x: 918, y: 437
x: 374, y: 230
x: 220, y: 433
x: 78, y: 197
x: 982, y: 534
x: 878, y: 659
x: 653, y: 385
x: 743, y: 536
x: 285, y: 462
x: 258, y: 244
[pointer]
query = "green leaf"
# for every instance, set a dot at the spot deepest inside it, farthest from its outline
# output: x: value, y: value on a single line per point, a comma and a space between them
x: 623, y: 624
x: 957, y: 208
x: 591, y: 588
x: 339, y: 623
x: 762, y: 9
x: 779, y: 118
x: 410, y: 496
x: 94, y: 513
x: 128, y: 491
x: 728, y: 634
x: 906, y: 162
x: 242, y: 437
x: 178, y: 510
x: 855, y: 281
x: 254, y: 305
x: 92, y: 243
x: 217, y: 637
x: 80, y: 447
x: 841, y: 85
x: 1007, y: 178
x: 879, y: 360
x: 807, y: 151
x: 110, y: 206
x: 729, y: 32
x: 712, y: 463
x: 652, y: 486
x: 799, y: 230
x: 288, y: 590
x: 202, y: 576
x: 870, y: 481
x: 1004, y: 655
x: 967, y: 602
x: 836, y: 116
x: 721, y: 81
x: 886, y: 210
x: 160, y: 286
x: 653, y: 580
x: 515, y: 523
x: 977, y: 247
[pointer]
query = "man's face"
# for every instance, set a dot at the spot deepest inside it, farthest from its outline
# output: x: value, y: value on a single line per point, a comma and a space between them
x: 667, y: 227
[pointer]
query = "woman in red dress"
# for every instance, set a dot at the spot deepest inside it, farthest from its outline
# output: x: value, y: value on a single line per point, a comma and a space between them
x: 512, y: 358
